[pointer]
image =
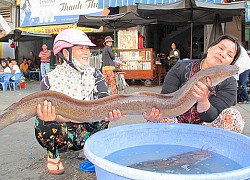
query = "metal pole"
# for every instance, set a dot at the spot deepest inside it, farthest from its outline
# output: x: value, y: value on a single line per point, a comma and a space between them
x: 115, y: 41
x: 191, y: 40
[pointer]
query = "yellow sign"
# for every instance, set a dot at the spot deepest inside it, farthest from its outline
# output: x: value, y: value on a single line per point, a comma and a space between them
x: 55, y: 29
x: 1, y: 49
x: 18, y: 2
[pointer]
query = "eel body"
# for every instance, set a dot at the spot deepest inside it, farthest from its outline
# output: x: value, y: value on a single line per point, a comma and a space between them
x: 170, y: 105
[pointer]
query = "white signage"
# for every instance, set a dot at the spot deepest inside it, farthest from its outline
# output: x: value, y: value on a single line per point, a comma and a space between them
x: 46, y: 12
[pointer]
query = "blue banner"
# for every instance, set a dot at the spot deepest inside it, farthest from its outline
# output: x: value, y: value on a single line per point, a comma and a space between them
x: 247, y: 12
x: 114, y: 3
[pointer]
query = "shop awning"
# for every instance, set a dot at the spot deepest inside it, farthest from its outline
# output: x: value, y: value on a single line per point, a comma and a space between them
x: 186, y: 11
x: 19, y: 35
x: 120, y: 3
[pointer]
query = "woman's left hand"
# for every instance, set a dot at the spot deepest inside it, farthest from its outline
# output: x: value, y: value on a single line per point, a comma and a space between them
x: 114, y: 115
x: 202, y: 92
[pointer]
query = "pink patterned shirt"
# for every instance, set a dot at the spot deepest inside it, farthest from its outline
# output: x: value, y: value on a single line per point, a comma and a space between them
x: 43, y: 53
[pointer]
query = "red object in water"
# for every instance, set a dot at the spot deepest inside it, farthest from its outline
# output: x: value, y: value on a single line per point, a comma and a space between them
x: 22, y: 85
x: 12, y: 45
x: 140, y: 41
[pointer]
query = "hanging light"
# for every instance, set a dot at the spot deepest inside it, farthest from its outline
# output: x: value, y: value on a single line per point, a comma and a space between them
x: 12, y: 45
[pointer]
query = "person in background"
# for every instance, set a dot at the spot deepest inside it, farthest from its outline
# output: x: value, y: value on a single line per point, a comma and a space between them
x: 1, y: 67
x: 14, y: 67
x: 75, y: 78
x: 6, y: 68
x: 243, y: 78
x: 8, y: 60
x: 45, y: 60
x: 174, y: 55
x: 213, y: 106
x: 244, y: 72
x: 108, y: 64
x: 31, y: 66
x: 34, y: 60
x: 24, y: 68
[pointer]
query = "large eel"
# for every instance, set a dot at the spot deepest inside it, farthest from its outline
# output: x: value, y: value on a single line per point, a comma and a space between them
x: 181, y: 161
x: 170, y: 105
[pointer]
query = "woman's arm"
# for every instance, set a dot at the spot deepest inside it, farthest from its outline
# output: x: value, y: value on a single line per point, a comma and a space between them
x: 48, y: 54
x: 224, y: 97
x: 111, y: 54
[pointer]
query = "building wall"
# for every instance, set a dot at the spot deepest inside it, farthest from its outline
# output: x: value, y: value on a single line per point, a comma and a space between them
x: 6, y: 50
x: 247, y: 36
x: 8, y: 11
x: 235, y: 27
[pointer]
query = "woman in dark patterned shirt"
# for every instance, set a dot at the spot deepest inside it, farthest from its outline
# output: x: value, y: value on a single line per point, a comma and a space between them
x: 212, y: 107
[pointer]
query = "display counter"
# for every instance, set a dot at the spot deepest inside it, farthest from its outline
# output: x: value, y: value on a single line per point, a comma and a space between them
x: 138, y: 64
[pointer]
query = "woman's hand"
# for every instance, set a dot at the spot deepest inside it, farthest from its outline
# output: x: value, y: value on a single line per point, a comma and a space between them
x: 154, y: 116
x: 202, y: 92
x: 47, y: 112
x: 114, y: 115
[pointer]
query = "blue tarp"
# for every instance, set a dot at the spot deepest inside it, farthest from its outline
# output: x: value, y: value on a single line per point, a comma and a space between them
x: 114, y: 3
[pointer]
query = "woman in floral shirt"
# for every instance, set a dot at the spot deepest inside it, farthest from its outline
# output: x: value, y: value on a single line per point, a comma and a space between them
x: 78, y: 80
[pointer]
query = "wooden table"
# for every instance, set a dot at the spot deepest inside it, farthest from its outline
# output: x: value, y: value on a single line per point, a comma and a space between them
x: 37, y: 72
x: 160, y: 72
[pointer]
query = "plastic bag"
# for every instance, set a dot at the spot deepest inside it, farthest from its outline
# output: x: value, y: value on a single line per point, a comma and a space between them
x: 87, y: 166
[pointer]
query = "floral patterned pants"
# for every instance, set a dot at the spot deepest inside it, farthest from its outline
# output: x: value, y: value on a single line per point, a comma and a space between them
x: 61, y: 137
x: 109, y: 76
x: 229, y: 119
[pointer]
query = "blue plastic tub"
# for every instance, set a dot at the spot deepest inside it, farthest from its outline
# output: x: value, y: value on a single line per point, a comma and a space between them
x: 229, y: 144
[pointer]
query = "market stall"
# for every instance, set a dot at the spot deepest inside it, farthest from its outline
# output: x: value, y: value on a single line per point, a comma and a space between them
x: 138, y: 64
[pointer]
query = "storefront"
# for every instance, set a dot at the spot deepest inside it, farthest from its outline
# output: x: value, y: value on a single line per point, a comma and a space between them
x: 174, y: 24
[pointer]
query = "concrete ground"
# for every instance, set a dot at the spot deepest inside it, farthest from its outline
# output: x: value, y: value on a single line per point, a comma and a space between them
x: 21, y: 157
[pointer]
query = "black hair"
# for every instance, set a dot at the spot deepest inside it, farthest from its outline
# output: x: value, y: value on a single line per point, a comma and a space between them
x: 173, y: 43
x: 6, y: 63
x: 68, y: 61
x: 231, y: 38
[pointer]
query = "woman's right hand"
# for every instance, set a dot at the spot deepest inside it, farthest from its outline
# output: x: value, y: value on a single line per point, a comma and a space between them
x: 47, y: 112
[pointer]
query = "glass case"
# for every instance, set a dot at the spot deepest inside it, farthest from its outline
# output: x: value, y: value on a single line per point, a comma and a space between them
x: 137, y: 63
x: 138, y: 59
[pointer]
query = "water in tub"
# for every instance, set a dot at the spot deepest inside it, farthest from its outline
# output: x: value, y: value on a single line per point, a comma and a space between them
x: 173, y: 159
